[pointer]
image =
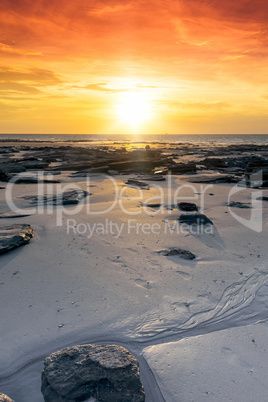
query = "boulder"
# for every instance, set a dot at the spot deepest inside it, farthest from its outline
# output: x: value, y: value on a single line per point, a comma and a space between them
x: 195, y: 219
x: 105, y: 372
x: 5, y: 398
x: 184, y: 254
x: 14, y: 236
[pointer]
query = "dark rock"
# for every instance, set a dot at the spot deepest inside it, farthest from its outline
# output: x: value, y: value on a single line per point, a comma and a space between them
x: 263, y: 198
x: 187, y: 206
x: 5, y: 398
x: 154, y: 178
x: 66, y: 198
x: 14, y: 236
x: 4, y: 175
x: 214, y: 162
x: 183, y: 168
x: 184, y: 254
x: 218, y: 178
x: 237, y: 204
x: 108, y: 373
x: 31, y: 180
x: 11, y: 214
x: 195, y: 219
x: 151, y: 205
x: 136, y: 183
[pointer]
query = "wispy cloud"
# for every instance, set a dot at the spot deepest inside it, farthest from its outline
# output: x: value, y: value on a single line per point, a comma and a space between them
x: 13, y: 50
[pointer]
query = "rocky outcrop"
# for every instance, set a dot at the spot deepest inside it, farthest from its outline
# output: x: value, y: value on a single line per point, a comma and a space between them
x: 5, y: 398
x: 107, y: 373
x: 184, y: 254
x: 14, y: 236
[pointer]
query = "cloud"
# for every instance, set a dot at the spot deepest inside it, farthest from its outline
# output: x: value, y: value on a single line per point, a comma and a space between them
x: 18, y: 87
x: 11, y: 49
x: 39, y: 77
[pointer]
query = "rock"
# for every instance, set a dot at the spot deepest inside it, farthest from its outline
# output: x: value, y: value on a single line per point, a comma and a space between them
x: 183, y: 168
x: 4, y: 175
x: 66, y: 198
x: 151, y: 205
x: 187, y: 206
x: 14, y: 236
x: 136, y: 183
x: 153, y: 178
x: 195, y: 219
x: 237, y: 204
x: 5, y: 398
x: 218, y: 178
x: 12, y: 214
x: 31, y: 180
x: 214, y: 162
x: 263, y: 198
x: 184, y: 254
x: 107, y: 373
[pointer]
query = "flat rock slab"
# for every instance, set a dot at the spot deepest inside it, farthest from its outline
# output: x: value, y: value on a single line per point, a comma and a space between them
x: 187, y: 206
x: 5, y: 398
x: 66, y: 198
x: 236, y: 204
x: 136, y: 183
x: 14, y: 236
x: 104, y: 372
x: 12, y: 214
x: 184, y: 254
x: 195, y: 219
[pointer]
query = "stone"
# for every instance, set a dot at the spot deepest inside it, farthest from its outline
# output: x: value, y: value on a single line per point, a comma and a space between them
x: 105, y: 372
x: 136, y: 183
x: 195, y: 219
x: 12, y: 214
x: 69, y: 197
x: 237, y: 204
x: 14, y: 236
x: 152, y: 205
x: 5, y: 398
x: 187, y: 206
x: 184, y: 254
x: 4, y: 175
x: 263, y: 198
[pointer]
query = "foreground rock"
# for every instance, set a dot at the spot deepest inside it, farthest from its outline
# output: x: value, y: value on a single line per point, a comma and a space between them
x: 5, y: 398
x: 195, y: 219
x: 107, y: 373
x: 67, y: 198
x: 184, y: 254
x: 14, y: 236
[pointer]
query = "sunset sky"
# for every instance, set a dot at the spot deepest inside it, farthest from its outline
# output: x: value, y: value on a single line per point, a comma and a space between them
x: 174, y: 66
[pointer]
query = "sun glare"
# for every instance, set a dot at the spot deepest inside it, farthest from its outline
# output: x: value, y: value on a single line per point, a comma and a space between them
x: 133, y: 108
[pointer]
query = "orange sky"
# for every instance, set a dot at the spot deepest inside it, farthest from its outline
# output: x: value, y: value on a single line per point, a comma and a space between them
x: 184, y: 66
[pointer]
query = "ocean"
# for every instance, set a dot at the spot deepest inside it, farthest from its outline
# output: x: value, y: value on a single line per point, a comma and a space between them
x: 144, y: 138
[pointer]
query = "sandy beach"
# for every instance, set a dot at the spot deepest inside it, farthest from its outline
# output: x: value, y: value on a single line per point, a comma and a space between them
x: 93, y: 273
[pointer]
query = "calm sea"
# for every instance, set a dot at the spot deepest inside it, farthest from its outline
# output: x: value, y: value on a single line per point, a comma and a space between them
x: 161, y: 138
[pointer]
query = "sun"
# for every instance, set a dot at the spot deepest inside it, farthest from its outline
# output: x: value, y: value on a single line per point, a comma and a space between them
x: 133, y: 108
